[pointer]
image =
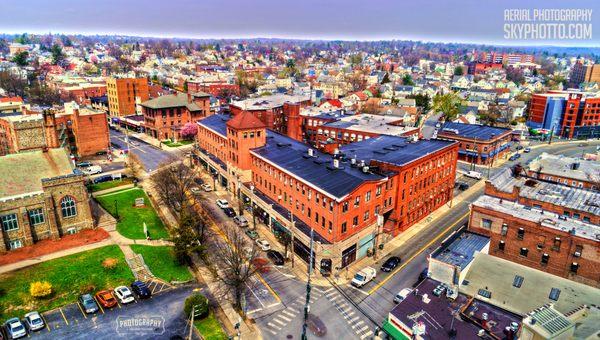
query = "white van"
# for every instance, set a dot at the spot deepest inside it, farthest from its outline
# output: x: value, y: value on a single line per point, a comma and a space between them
x: 473, y: 174
x: 92, y: 170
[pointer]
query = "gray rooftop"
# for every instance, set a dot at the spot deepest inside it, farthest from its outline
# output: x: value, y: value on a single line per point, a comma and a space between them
x: 557, y: 194
x: 497, y: 276
x: 22, y: 173
x: 461, y: 250
x: 379, y: 124
x: 268, y: 102
x: 178, y: 99
x: 559, y: 165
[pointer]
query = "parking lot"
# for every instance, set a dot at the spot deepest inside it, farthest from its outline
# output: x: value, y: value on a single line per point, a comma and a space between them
x: 159, y: 317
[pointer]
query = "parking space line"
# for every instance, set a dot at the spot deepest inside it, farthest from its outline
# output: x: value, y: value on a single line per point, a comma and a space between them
x: 63, y: 315
x: 99, y: 306
x: 46, y: 322
x: 118, y: 304
x: 81, y: 309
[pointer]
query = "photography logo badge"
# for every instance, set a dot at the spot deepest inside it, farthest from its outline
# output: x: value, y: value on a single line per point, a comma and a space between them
x: 142, y: 325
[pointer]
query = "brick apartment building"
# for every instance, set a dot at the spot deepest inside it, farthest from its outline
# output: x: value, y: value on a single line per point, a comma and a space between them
x: 503, y: 58
x: 569, y: 171
x: 363, y: 194
x: 478, y: 144
x: 279, y: 112
x: 581, y: 73
x: 124, y: 94
x: 81, y: 93
x: 83, y: 131
x: 40, y: 198
x: 215, y: 89
x: 339, y: 129
x: 542, y: 225
x: 164, y: 116
x: 568, y: 114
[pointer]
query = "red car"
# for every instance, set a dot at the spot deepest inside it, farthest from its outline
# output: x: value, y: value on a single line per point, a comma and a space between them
x: 106, y: 299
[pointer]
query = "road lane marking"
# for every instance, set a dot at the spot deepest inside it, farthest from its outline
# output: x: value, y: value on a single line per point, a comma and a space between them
x: 384, y: 281
x: 63, y: 315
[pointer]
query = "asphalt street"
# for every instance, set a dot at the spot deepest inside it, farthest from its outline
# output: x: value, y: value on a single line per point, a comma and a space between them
x: 150, y: 156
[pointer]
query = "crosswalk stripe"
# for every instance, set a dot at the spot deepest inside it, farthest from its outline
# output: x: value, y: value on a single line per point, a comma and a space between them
x: 274, y: 326
x: 362, y: 330
x: 366, y: 335
x: 357, y: 324
x: 284, y: 318
x: 292, y: 309
x: 279, y: 322
x: 354, y: 319
x: 289, y: 314
x: 272, y: 331
x: 328, y: 290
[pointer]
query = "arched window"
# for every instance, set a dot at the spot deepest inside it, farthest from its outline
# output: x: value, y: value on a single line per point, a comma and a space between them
x: 68, y: 206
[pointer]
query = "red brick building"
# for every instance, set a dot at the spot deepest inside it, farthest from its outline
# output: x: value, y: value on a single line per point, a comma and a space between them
x: 478, y: 144
x: 362, y: 195
x: 543, y: 225
x: 164, y: 116
x: 214, y: 89
x: 272, y: 111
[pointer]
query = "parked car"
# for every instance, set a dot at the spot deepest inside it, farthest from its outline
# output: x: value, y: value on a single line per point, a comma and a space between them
x: 315, y: 325
x: 88, y: 304
x: 402, y: 295
x: 101, y: 179
x: 423, y: 275
x: 141, y: 290
x: 14, y: 328
x: 364, y: 276
x: 390, y: 264
x: 527, y: 150
x: 106, y: 299
x: 83, y: 164
x: 439, y: 290
x: 33, y: 321
x: 206, y: 187
x: 101, y: 153
x: 229, y: 212
x: 92, y: 170
x: 241, y: 221
x: 463, y: 186
x: 124, y: 294
x: 275, y: 257
x: 473, y: 174
x: 514, y: 157
x: 263, y: 244
x: 252, y: 234
x: 222, y: 203
x: 195, y: 190
x: 519, y: 147
x: 199, y: 181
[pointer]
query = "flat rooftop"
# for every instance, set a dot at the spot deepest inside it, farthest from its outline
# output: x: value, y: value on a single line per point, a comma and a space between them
x: 556, y: 194
x: 383, y: 125
x: 559, y: 165
x: 461, y: 250
x: 21, y: 117
x: 545, y: 218
x: 216, y: 122
x: 292, y: 156
x: 498, y: 276
x: 268, y: 102
x: 393, y: 149
x: 22, y: 173
x: 471, y: 131
x: 437, y: 314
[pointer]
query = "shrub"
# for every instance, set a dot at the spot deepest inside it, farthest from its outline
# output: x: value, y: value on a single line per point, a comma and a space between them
x: 198, y: 300
x: 110, y: 263
x: 40, y: 289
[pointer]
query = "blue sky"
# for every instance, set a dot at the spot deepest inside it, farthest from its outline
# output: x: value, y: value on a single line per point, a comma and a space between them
x: 479, y: 21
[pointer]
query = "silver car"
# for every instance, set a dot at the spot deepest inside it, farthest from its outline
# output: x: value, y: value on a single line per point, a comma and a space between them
x: 34, y: 321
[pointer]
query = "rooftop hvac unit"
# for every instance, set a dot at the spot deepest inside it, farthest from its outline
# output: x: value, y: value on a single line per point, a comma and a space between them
x: 365, y: 169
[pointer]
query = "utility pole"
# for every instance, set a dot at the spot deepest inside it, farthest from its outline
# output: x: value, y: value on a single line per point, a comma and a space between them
x: 292, y: 232
x: 308, y: 287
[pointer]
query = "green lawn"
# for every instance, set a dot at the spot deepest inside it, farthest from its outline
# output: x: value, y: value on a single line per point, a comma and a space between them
x: 111, y: 184
x: 210, y: 328
x: 70, y: 276
x: 131, y: 219
x: 171, y: 144
x: 162, y: 263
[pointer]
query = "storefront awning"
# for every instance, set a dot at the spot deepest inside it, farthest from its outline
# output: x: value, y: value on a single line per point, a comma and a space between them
x: 394, y: 332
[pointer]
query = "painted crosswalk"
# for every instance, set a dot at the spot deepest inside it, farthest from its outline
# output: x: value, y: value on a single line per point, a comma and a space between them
x: 280, y: 321
x: 359, y: 327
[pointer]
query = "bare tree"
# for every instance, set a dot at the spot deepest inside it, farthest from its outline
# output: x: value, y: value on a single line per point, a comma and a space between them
x: 134, y: 165
x: 172, y: 182
x: 235, y: 263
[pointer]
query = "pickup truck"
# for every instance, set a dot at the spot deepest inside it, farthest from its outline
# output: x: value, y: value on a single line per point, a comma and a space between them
x: 363, y: 277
